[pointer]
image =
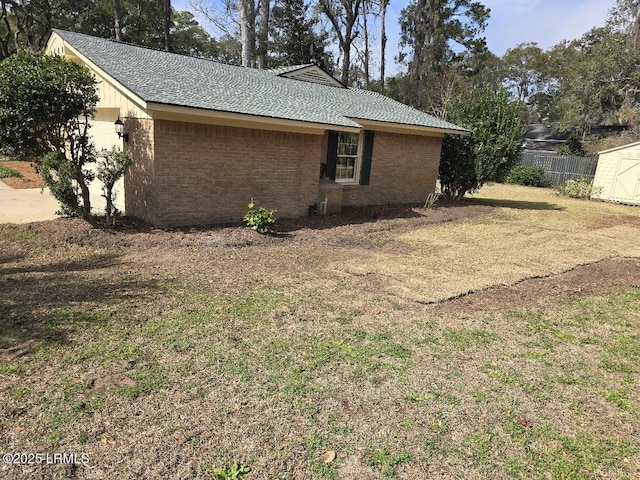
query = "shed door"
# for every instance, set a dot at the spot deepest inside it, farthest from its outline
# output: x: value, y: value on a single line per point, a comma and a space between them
x: 627, y: 182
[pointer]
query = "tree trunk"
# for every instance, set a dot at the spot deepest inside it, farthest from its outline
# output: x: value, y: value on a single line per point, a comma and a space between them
x: 247, y: 21
x: 383, y: 41
x: 109, y: 217
x: 263, y: 34
x: 365, y: 11
x: 4, y: 41
x: 117, y: 22
x: 347, y: 15
x: 167, y: 25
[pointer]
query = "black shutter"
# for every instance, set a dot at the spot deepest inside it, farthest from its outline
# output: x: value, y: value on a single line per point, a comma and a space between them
x: 365, y: 169
x: 332, y: 154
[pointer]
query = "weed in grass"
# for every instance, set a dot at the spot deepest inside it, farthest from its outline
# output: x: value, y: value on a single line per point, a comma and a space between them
x: 233, y: 471
x: 85, y: 439
x: 437, y: 438
x: 54, y: 438
x: 545, y: 449
x: 315, y: 445
x: 617, y: 367
x: 479, y: 446
x: 387, y: 462
x: 480, y: 397
x: 13, y: 233
x: 8, y: 368
x: 539, y: 355
x: 626, y: 347
x: 619, y: 399
x: 20, y: 391
x: 444, y: 397
x: 408, y: 423
x: 147, y: 381
x: 467, y: 338
x: 413, y: 397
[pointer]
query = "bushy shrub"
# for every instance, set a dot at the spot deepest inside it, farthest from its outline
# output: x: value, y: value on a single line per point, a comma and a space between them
x: 492, y: 147
x: 577, y: 188
x: 259, y: 218
x: 529, y: 176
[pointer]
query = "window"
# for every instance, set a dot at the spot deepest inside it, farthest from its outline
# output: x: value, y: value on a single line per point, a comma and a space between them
x: 347, y: 158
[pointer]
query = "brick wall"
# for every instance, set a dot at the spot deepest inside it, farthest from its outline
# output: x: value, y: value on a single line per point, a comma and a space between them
x: 206, y: 174
x: 138, y: 181
x: 404, y: 169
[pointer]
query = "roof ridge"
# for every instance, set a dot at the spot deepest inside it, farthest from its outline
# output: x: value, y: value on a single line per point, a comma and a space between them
x: 144, y: 47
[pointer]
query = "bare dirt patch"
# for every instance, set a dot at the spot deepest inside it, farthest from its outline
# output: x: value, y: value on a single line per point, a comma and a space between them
x: 600, y: 278
x: 30, y: 177
x: 356, y: 227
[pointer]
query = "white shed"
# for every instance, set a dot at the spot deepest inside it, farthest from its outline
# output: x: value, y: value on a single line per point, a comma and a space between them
x: 617, y: 176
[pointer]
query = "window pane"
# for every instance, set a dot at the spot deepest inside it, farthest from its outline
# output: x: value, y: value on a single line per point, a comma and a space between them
x: 347, y: 155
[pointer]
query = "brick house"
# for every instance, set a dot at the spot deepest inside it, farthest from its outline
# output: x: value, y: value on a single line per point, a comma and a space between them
x: 206, y: 137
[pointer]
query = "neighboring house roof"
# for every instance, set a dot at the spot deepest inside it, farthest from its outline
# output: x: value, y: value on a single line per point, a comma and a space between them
x: 172, y: 79
x: 543, y: 138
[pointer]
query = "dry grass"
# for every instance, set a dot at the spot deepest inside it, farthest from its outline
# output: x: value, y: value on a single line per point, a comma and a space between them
x: 533, y: 232
x: 165, y: 354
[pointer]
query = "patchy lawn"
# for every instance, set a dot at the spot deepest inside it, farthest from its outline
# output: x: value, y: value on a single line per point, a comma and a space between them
x: 26, y: 177
x: 496, y: 339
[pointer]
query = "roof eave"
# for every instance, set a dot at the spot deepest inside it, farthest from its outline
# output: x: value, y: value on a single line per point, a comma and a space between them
x: 407, y: 129
x: 163, y: 111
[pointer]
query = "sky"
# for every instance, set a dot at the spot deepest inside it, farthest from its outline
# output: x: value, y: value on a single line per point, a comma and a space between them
x: 546, y: 22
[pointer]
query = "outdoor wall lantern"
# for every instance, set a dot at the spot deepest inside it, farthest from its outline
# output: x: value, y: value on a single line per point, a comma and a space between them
x: 120, y: 130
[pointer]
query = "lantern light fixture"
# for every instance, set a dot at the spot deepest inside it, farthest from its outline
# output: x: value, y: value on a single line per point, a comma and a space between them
x: 120, y: 130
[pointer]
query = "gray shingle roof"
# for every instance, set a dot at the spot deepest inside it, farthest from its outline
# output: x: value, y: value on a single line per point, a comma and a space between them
x: 161, y: 77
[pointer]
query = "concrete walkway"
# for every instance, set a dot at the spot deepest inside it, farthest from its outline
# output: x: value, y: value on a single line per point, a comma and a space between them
x: 26, y: 205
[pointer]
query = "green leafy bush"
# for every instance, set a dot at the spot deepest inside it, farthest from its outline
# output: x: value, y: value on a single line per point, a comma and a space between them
x: 6, y: 172
x: 259, y: 218
x: 578, y: 188
x: 492, y: 147
x: 529, y: 176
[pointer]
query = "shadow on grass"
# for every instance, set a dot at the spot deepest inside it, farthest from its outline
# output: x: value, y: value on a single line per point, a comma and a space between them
x: 48, y: 303
x: 515, y: 204
x: 95, y: 262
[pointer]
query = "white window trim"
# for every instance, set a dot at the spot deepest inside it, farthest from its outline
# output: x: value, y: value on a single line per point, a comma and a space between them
x: 356, y: 169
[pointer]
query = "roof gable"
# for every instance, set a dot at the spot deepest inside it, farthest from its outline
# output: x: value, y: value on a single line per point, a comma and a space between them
x: 160, y: 77
x: 308, y: 73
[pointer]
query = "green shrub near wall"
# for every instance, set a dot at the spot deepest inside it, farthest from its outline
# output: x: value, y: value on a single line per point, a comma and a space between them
x: 530, y: 176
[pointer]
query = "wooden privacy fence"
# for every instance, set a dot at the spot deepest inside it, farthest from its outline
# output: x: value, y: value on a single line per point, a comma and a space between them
x: 560, y: 168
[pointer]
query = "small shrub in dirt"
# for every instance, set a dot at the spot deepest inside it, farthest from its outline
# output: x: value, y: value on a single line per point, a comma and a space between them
x: 6, y: 172
x: 578, y: 188
x: 529, y: 176
x: 259, y: 218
